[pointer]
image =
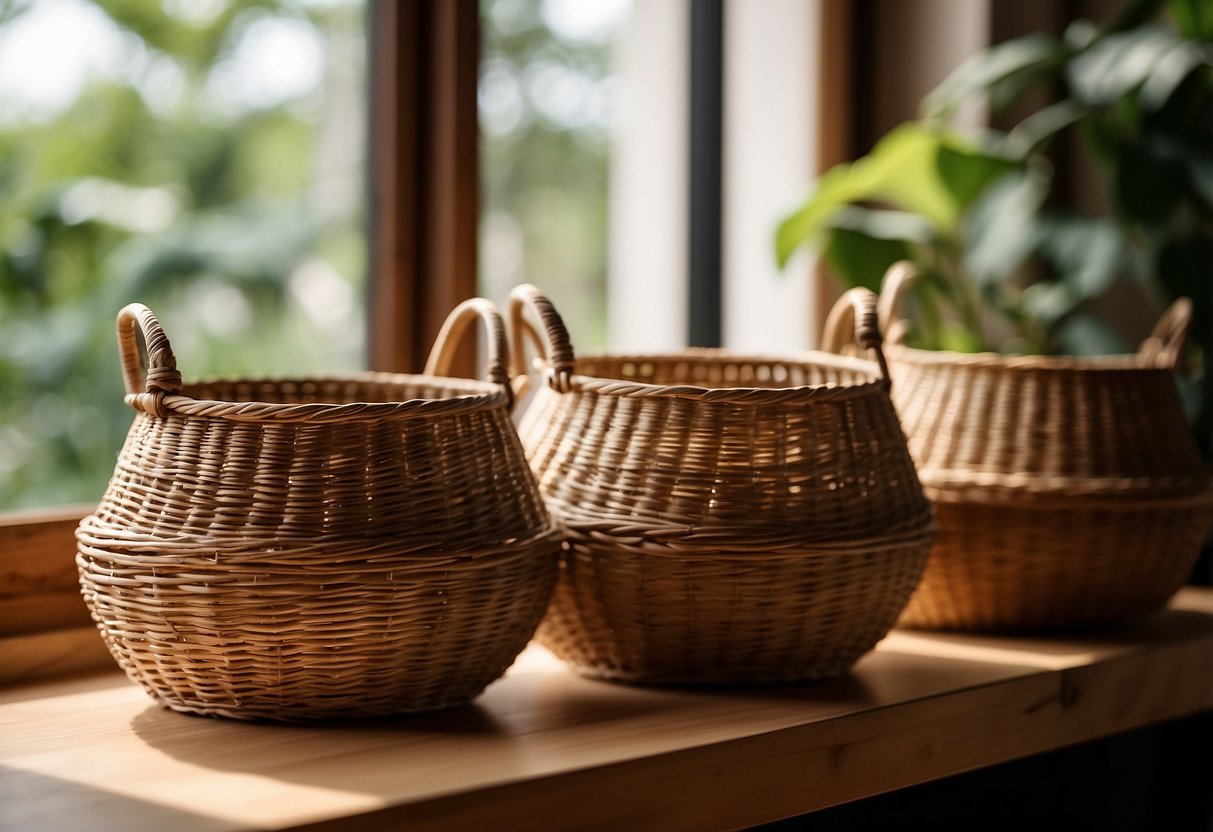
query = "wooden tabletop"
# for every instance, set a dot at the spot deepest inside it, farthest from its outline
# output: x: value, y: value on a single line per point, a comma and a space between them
x: 544, y: 749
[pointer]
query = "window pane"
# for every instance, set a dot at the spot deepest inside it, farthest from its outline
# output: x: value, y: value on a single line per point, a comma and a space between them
x: 201, y: 156
x: 547, y: 115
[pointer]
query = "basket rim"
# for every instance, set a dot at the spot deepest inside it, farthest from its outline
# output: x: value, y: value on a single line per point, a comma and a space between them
x: 1068, y: 493
x: 1117, y: 363
x: 382, y: 554
x: 607, y: 386
x: 470, y: 395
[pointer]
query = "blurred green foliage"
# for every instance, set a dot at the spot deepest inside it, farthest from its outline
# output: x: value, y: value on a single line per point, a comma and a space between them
x: 174, y: 179
x: 979, y: 214
x: 546, y: 87
x: 1010, y: 262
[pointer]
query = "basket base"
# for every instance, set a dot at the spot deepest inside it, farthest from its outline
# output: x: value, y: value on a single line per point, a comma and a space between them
x: 709, y: 679
x: 643, y: 613
x: 309, y: 715
x: 1015, y: 569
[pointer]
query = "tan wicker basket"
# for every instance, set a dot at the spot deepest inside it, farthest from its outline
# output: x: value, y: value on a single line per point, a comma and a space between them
x: 314, y: 548
x: 1068, y: 491
x: 730, y: 519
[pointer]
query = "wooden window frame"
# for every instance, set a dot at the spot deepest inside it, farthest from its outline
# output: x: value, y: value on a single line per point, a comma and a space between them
x: 423, y: 204
x: 423, y: 208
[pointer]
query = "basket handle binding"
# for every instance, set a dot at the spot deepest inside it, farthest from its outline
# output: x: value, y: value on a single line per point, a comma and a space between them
x: 857, y: 307
x: 455, y: 329
x: 1166, y: 342
x: 146, y: 392
x: 896, y: 282
x: 553, y: 347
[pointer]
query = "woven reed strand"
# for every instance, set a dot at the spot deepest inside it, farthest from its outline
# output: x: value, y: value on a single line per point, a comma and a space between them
x: 729, y: 518
x: 1007, y: 567
x: 1069, y: 491
x: 317, y: 548
x: 650, y: 613
x: 453, y: 477
x: 332, y: 635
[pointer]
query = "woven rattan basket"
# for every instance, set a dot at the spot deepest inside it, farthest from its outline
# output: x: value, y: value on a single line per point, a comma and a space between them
x: 314, y: 548
x: 730, y: 519
x: 1068, y: 491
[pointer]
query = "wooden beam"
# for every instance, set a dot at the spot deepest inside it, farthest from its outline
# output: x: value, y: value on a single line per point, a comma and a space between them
x: 38, y: 588
x: 547, y: 750
x: 423, y: 174
x: 836, y: 113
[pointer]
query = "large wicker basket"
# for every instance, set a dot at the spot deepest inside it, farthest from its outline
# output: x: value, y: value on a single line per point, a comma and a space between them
x: 314, y: 548
x: 730, y: 519
x: 1068, y: 491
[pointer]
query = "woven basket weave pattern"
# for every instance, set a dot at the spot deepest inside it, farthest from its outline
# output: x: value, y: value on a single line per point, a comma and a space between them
x: 299, y: 479
x: 1007, y: 567
x: 1045, y: 427
x: 730, y: 518
x: 1068, y: 490
x: 316, y: 548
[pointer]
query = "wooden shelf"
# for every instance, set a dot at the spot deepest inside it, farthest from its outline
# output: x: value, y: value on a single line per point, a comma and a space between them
x: 544, y: 749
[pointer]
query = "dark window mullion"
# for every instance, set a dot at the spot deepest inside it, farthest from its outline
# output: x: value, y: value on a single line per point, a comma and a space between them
x: 706, y: 172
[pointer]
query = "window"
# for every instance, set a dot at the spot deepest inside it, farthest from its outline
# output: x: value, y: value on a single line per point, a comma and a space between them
x: 238, y: 200
x: 201, y: 156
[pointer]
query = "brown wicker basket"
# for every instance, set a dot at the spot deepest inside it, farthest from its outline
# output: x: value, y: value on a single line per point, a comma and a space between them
x: 1068, y: 491
x: 314, y: 548
x: 730, y: 519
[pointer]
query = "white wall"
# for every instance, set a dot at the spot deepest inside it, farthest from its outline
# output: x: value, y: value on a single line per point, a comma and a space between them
x: 769, y: 150
x: 647, y: 287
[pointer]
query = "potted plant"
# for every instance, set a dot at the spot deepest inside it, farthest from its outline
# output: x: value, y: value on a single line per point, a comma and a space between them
x: 1066, y: 488
x: 1006, y: 264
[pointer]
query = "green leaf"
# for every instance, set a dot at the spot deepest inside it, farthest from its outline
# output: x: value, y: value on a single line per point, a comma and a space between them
x: 1193, y: 17
x: 1087, y: 253
x: 1149, y: 182
x: 859, y: 260
x: 1004, y: 71
x: 1047, y: 302
x: 1171, y: 71
x: 884, y: 224
x: 1033, y: 132
x: 863, y: 243
x: 957, y: 338
x: 966, y: 172
x: 901, y: 170
x: 831, y: 193
x: 1117, y: 64
x: 1084, y: 334
x: 1001, y: 226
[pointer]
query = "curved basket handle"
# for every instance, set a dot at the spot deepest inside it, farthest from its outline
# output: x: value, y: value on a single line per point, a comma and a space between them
x: 146, y: 392
x: 858, y: 308
x: 1166, y: 342
x: 454, y: 330
x: 893, y: 287
x: 553, y: 345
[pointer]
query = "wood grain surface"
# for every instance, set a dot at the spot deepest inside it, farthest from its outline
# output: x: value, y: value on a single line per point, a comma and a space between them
x: 545, y: 749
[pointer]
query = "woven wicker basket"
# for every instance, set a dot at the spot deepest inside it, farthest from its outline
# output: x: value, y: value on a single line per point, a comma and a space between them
x: 1068, y: 491
x: 730, y: 519
x: 314, y: 548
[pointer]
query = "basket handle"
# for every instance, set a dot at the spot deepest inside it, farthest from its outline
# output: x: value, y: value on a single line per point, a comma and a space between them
x: 1166, y: 342
x: 146, y: 391
x: 553, y: 346
x: 455, y: 329
x: 856, y: 308
x: 893, y: 287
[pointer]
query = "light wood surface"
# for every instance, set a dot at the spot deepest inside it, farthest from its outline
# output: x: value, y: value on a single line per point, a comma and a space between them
x: 545, y: 749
